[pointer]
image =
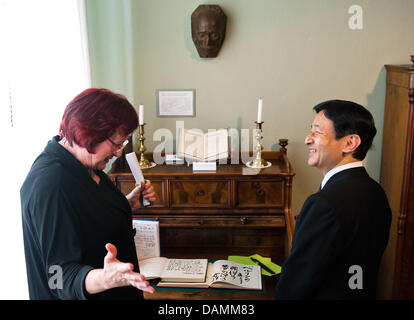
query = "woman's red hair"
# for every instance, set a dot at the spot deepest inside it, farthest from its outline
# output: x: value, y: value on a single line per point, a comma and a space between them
x: 94, y: 115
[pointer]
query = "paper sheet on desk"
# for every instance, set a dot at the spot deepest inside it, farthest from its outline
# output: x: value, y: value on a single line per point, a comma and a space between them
x: 266, y: 261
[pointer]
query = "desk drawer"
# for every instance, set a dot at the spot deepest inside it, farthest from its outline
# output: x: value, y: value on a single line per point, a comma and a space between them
x: 254, y: 193
x: 199, y: 194
x: 208, y: 222
x: 127, y: 185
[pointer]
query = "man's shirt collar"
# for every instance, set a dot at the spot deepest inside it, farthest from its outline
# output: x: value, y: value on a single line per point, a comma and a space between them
x: 335, y: 170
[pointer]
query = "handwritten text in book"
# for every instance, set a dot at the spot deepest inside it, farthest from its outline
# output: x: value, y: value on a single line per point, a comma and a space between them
x: 233, y: 272
x: 187, y: 267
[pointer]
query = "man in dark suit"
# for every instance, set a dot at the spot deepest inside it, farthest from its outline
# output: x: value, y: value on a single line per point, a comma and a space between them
x: 343, y: 229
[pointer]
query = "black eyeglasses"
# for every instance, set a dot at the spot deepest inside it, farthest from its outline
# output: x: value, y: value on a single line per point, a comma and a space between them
x: 119, y: 146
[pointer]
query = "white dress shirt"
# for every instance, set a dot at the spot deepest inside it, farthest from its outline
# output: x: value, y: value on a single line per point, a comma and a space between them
x: 335, y: 170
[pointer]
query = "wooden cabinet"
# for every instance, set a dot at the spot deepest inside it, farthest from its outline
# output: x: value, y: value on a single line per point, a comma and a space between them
x: 256, y: 194
x: 233, y: 211
x: 397, y: 179
x: 200, y: 193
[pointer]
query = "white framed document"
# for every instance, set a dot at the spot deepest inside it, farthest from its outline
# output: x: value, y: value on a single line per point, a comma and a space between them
x: 175, y: 103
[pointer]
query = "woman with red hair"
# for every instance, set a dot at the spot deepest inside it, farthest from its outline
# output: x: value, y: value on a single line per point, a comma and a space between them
x: 77, y: 226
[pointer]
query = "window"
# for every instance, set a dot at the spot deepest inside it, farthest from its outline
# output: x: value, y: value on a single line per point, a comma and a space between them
x: 44, y: 64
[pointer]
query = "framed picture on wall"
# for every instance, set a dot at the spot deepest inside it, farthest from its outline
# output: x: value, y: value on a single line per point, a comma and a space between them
x: 175, y: 102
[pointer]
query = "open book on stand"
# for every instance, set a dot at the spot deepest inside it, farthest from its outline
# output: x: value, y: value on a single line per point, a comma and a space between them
x: 224, y: 274
x: 194, y: 145
x: 147, y: 238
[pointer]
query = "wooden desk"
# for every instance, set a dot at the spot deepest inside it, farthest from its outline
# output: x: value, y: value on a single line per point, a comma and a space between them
x: 269, y: 284
x: 233, y: 211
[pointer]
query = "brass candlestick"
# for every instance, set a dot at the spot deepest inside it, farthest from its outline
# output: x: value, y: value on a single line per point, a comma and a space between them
x: 258, y: 162
x: 143, y: 163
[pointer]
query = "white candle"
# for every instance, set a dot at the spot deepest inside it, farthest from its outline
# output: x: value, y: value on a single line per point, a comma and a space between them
x: 259, y: 111
x: 141, y: 115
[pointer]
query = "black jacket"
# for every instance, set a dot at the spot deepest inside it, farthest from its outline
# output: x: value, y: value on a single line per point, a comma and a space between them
x: 341, y: 234
x: 67, y: 220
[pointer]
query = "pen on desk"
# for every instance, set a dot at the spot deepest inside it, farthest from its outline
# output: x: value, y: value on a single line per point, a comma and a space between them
x: 262, y: 265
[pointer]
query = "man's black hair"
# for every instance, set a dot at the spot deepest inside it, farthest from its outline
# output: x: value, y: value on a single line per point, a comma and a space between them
x: 350, y: 118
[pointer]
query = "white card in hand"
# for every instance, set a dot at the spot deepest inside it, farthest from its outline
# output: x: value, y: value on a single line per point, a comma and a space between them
x: 136, y: 172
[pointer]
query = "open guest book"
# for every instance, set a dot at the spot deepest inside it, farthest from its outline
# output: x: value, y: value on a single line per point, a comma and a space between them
x: 189, y: 273
x: 223, y: 274
x: 194, y: 145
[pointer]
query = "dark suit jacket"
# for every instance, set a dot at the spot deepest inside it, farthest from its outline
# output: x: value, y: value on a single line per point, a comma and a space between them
x: 346, y: 224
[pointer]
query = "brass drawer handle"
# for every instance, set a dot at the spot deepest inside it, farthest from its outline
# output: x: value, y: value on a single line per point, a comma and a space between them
x: 260, y: 192
x: 200, y: 222
x: 200, y: 192
x: 243, y: 220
